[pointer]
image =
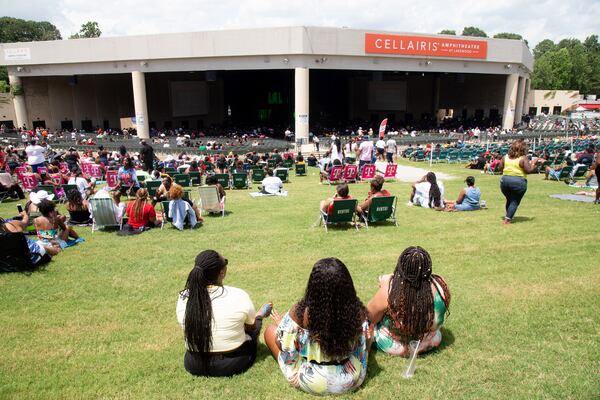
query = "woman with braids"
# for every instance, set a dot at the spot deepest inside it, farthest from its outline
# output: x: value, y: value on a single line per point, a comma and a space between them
x: 220, y: 325
x: 427, y: 192
x: 411, y: 304
x: 321, y: 343
x: 140, y: 212
x: 515, y: 166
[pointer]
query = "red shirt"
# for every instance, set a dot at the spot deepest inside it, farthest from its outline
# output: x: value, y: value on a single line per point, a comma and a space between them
x: 148, y: 214
x: 330, y: 208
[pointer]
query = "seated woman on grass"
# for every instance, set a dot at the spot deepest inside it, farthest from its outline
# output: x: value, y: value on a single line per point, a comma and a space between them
x: 427, y: 192
x: 468, y: 198
x: 140, y: 212
x: 220, y: 324
x: 342, y: 192
x: 51, y: 227
x: 78, y: 208
x: 322, y: 343
x: 182, y: 210
x: 411, y: 304
x: 162, y: 193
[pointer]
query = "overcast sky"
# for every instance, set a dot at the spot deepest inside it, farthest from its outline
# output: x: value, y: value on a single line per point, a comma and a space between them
x: 535, y: 20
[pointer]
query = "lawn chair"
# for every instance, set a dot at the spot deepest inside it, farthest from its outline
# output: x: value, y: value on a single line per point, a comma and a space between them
x: 382, y: 208
x: 112, y: 179
x: 103, y: 214
x: 258, y: 175
x: 95, y: 171
x: 282, y: 174
x: 223, y: 179
x: 29, y: 182
x: 182, y: 180
x: 390, y: 172
x: 565, y: 174
x: 20, y: 171
x: 580, y: 171
x: 288, y: 163
x: 335, y: 174
x: 42, y: 170
x: 239, y: 180
x: 343, y: 212
x: 300, y: 169
x: 152, y: 187
x: 350, y: 173
x: 367, y: 173
x: 195, y: 179
x: 209, y: 200
x: 48, y: 188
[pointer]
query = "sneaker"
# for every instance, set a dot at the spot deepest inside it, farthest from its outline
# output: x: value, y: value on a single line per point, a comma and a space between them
x: 506, y: 221
x: 410, y: 204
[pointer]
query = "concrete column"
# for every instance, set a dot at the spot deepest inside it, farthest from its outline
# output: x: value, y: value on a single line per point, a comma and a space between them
x: 141, y: 107
x: 526, y: 96
x: 19, y: 101
x: 520, y: 100
x: 510, y: 99
x: 301, y: 104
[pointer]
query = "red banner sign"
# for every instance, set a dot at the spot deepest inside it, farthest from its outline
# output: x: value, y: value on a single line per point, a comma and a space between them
x: 425, y: 46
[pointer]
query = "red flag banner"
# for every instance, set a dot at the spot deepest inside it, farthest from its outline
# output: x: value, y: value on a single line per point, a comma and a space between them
x: 382, y: 127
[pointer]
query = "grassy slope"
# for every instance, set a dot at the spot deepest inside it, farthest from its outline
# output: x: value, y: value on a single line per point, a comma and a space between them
x: 100, y: 320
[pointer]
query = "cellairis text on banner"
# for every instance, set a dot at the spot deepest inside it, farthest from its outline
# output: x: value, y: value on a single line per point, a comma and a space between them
x: 425, y: 46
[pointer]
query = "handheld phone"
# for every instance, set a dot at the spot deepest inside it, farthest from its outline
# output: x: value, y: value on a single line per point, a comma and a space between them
x: 19, y: 208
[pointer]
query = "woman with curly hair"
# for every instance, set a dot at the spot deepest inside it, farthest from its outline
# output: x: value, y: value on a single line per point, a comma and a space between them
x: 411, y: 304
x: 321, y: 343
x: 220, y: 325
x: 78, y: 208
x: 515, y: 166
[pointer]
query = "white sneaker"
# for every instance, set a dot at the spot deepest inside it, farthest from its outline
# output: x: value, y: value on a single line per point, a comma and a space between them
x: 410, y: 204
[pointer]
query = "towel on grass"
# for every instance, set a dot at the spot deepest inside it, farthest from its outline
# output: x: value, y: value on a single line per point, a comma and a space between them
x: 260, y: 194
x: 574, y: 197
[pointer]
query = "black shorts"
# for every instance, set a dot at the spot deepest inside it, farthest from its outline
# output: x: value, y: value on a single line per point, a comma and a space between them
x: 222, y: 364
x: 380, y: 151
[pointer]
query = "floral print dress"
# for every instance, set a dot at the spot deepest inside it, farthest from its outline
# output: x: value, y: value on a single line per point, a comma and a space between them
x: 307, y: 368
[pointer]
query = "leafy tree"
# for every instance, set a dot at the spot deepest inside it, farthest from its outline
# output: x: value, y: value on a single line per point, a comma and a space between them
x: 553, y: 71
x: 447, y: 32
x: 20, y: 30
x: 473, y: 31
x: 88, y: 30
x: 508, y: 35
x: 591, y: 44
x: 543, y: 47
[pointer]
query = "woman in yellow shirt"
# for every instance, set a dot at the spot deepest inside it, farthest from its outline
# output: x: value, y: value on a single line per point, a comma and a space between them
x: 515, y: 166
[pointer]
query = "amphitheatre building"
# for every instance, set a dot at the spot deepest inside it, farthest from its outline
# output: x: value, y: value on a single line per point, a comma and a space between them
x: 290, y: 76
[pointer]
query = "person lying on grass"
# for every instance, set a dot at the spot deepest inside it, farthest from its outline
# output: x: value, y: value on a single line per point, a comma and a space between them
x: 322, y: 343
x: 219, y: 322
x: 411, y: 304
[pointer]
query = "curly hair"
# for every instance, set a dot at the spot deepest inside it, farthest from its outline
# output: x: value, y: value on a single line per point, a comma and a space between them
x: 75, y: 199
x: 176, y: 192
x: 335, y: 313
x: 517, y: 149
x: 410, y: 298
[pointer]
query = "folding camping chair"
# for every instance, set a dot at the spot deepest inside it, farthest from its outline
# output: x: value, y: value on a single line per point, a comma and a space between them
x: 282, y: 173
x: 239, y: 180
x: 183, y: 180
x: 300, y: 169
x: 343, y: 212
x: 382, y: 208
x: 103, y: 214
x: 368, y: 172
x: 223, y: 179
x: 258, y: 174
x: 112, y: 179
x: 209, y: 200
x: 350, y: 173
x: 29, y: 182
x: 335, y: 174
x: 390, y: 172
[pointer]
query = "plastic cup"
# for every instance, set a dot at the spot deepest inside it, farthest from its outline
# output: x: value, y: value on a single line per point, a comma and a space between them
x: 412, y: 359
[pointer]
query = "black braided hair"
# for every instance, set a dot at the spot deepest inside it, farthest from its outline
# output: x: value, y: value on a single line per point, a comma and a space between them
x: 198, y: 312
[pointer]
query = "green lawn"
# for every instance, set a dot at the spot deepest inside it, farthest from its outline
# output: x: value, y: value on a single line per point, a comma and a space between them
x: 99, y: 321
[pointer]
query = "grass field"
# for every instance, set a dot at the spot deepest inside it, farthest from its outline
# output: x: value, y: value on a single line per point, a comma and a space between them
x: 99, y: 321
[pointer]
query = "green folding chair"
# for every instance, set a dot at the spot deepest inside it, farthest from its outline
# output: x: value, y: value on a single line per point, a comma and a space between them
x: 565, y: 174
x: 343, y: 212
x: 258, y: 175
x: 152, y: 187
x: 382, y: 208
x: 183, y: 180
x: 239, y: 180
x: 289, y: 163
x: 580, y: 172
x: 47, y: 188
x: 300, y: 169
x: 282, y: 174
x: 164, y: 205
x: 223, y: 179
x: 170, y: 171
x: 271, y: 163
x: 195, y: 179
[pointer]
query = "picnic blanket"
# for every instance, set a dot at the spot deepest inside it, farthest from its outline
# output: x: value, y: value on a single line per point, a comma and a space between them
x: 260, y: 194
x: 574, y: 197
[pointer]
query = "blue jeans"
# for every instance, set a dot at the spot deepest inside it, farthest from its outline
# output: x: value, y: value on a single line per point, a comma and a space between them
x: 513, y: 188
